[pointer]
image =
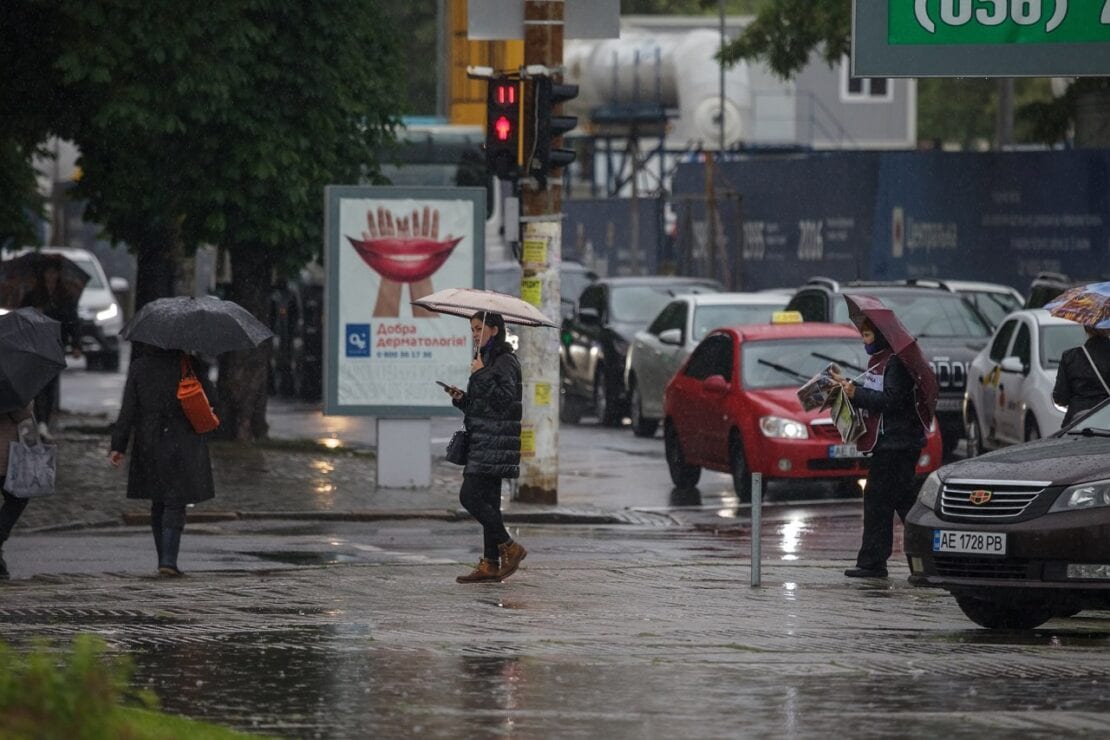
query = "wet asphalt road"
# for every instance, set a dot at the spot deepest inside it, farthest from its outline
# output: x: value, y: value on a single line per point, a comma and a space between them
x: 301, y: 625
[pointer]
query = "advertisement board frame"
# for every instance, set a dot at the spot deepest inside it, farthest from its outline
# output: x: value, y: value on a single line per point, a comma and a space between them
x: 470, y: 200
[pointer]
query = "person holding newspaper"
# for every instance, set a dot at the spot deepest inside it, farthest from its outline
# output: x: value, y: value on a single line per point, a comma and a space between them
x: 894, y: 435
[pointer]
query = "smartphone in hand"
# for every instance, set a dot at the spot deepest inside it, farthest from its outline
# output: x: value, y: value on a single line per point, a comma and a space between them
x: 445, y: 386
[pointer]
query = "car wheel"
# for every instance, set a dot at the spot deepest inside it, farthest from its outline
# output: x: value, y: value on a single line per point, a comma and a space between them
x: 1001, y: 616
x: 974, y: 433
x: 570, y: 409
x: 738, y: 466
x: 1032, y: 431
x: 605, y: 401
x: 641, y: 426
x: 848, y: 488
x: 682, y: 475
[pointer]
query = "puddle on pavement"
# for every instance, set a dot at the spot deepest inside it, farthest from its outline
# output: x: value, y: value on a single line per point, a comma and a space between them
x: 304, y: 557
x: 1045, y: 636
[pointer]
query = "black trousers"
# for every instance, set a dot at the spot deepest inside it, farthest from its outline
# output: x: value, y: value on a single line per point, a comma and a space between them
x: 481, y: 496
x: 890, y: 490
x: 9, y: 514
x: 46, y: 399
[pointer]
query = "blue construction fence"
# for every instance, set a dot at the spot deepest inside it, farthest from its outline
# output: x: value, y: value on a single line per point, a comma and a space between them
x: 1000, y: 216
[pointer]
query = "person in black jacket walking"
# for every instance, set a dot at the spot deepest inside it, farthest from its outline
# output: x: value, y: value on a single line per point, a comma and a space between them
x: 895, y: 436
x: 492, y: 406
x: 1081, y: 383
x: 169, y: 462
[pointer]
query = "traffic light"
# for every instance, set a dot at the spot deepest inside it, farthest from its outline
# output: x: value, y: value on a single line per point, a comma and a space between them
x: 546, y: 156
x: 503, y: 142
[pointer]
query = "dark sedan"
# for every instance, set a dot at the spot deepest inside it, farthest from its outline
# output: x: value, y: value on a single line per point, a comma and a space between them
x: 595, y: 340
x: 1020, y: 535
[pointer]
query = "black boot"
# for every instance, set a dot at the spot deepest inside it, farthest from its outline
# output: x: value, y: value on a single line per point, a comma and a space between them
x: 167, y: 561
x: 4, y: 575
x: 156, y: 529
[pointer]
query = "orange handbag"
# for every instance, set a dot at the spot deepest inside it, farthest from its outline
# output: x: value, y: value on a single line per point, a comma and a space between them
x: 193, y: 400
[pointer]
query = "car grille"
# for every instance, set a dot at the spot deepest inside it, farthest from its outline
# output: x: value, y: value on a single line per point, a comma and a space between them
x: 1006, y: 500
x: 962, y: 566
x: 847, y: 463
x: 824, y: 429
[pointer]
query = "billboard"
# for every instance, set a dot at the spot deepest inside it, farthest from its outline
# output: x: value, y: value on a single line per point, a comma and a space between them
x: 385, y: 247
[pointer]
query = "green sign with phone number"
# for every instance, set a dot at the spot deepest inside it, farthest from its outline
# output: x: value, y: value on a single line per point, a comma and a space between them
x: 982, y: 38
x: 998, y: 21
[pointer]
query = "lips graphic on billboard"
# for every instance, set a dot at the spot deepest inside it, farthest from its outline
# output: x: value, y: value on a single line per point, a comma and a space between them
x: 404, y: 259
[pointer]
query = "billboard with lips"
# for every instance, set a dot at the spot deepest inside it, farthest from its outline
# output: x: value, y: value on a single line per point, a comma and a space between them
x: 385, y: 248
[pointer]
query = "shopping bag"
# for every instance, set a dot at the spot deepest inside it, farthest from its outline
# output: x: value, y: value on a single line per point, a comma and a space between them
x: 31, y: 467
x: 194, y: 402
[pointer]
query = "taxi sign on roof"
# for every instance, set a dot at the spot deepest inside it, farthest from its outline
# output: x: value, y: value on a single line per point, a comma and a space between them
x: 786, y: 317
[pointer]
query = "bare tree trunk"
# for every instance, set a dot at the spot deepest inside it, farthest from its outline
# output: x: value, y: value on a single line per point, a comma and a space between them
x: 157, y: 262
x: 243, y: 375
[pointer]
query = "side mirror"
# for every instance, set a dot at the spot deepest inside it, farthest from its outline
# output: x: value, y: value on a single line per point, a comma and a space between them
x: 1012, y: 364
x: 716, y: 384
x: 119, y: 285
x: 671, y: 336
x: 588, y: 315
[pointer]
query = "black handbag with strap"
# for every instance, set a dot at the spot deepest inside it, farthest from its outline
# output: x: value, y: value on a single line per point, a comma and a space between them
x: 458, y: 447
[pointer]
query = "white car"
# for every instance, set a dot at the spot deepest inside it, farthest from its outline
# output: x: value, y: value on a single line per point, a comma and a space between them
x: 1009, y: 387
x: 100, y: 316
x: 994, y: 300
x: 658, y: 351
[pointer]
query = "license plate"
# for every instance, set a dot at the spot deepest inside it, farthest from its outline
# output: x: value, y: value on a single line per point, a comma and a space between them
x: 838, y: 451
x: 975, y: 543
x: 950, y: 404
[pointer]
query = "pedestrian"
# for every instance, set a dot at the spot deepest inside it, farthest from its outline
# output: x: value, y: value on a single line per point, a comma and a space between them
x: 169, y: 464
x: 894, y: 436
x: 492, y: 407
x: 50, y: 297
x: 13, y: 506
x: 1081, y: 380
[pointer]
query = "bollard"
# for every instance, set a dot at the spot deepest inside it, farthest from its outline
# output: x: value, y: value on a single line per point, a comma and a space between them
x: 757, y: 505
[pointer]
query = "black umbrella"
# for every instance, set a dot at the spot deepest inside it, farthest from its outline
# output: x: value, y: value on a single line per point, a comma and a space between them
x: 31, y: 354
x: 20, y: 275
x: 204, y: 325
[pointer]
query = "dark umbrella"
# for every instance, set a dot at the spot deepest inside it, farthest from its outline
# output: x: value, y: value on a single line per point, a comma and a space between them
x: 31, y: 354
x: 204, y: 325
x: 20, y: 275
x: 903, y: 344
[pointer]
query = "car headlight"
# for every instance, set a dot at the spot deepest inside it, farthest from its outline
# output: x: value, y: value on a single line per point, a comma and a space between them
x: 1058, y: 407
x: 1083, y: 496
x: 776, y: 426
x: 107, y: 313
x: 929, y: 490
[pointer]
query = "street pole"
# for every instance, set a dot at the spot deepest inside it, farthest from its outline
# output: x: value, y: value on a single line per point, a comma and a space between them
x: 541, y: 257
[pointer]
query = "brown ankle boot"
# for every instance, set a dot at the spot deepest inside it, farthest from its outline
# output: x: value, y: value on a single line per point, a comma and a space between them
x: 485, y: 571
x: 511, y: 555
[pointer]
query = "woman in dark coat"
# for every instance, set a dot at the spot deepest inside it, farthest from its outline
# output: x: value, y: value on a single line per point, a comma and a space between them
x: 894, y: 436
x: 169, y: 461
x: 1079, y: 387
x: 12, y: 506
x: 492, y: 405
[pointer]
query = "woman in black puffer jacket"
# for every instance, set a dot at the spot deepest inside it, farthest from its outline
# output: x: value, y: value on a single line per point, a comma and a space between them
x: 492, y: 404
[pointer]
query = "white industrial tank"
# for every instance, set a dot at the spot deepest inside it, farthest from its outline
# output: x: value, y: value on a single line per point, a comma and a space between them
x: 677, y: 70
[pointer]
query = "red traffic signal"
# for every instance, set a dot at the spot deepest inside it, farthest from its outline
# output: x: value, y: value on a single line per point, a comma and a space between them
x: 503, y: 127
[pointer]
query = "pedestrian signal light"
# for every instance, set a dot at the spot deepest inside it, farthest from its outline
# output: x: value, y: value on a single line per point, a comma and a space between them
x: 503, y: 128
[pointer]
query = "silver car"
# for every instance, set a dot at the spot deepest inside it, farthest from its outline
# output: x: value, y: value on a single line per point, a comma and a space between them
x: 658, y: 351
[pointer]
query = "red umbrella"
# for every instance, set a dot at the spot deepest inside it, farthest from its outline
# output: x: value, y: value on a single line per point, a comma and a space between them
x: 903, y: 344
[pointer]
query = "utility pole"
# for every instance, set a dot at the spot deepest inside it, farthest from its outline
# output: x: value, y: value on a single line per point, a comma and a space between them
x: 541, y: 256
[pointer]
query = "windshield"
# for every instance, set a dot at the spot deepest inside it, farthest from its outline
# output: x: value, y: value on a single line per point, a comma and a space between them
x: 638, y: 304
x: 788, y: 363
x: 931, y: 314
x: 1057, y: 338
x: 993, y: 306
x: 87, y: 267
x: 1097, y: 419
x: 708, y: 318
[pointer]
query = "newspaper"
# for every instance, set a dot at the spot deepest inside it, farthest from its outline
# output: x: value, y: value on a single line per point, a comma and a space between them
x: 823, y: 391
x: 818, y: 391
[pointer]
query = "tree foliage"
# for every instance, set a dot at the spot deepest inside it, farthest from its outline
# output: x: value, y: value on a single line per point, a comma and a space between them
x: 785, y: 33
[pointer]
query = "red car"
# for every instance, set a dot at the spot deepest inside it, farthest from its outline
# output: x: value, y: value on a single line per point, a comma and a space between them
x: 733, y: 407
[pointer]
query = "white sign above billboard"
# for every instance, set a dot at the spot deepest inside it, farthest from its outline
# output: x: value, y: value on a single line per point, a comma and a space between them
x: 499, y: 20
